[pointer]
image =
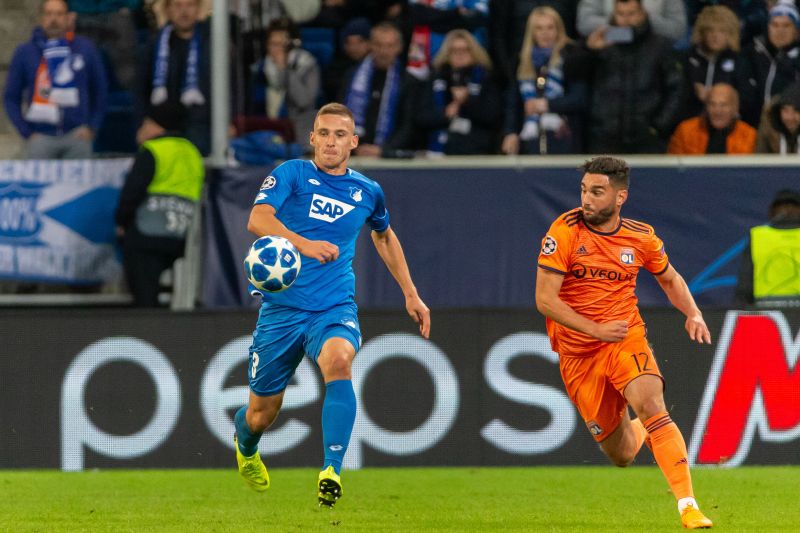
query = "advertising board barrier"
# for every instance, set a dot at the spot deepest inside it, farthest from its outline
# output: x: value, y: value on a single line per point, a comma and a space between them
x: 123, y: 388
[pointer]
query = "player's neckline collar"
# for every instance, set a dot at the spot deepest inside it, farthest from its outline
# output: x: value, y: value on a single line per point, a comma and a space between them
x: 347, y: 170
x: 604, y: 233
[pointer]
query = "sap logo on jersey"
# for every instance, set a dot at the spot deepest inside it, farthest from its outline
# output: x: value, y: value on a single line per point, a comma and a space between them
x: 328, y: 209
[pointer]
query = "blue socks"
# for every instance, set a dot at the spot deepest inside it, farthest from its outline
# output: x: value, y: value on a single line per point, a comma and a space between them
x: 248, y: 441
x: 338, y: 418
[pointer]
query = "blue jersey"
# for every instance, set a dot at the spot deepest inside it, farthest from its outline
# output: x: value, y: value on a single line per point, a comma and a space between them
x: 323, y: 207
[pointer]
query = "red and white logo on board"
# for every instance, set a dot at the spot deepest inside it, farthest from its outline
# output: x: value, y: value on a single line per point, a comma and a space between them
x: 753, y: 390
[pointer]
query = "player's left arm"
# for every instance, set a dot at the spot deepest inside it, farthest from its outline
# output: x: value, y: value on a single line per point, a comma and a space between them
x: 676, y: 289
x: 388, y: 246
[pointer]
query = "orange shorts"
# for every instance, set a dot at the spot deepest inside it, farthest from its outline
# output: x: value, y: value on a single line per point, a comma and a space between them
x: 596, y: 384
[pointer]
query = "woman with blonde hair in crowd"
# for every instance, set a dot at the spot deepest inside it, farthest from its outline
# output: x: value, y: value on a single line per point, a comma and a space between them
x: 714, y: 57
x: 460, y: 104
x: 544, y: 109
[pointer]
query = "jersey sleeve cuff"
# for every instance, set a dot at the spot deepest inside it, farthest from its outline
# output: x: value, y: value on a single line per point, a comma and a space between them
x: 661, y: 271
x: 551, y: 269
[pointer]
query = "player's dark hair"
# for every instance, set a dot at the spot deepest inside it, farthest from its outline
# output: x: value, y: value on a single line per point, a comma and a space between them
x: 335, y: 108
x: 616, y: 169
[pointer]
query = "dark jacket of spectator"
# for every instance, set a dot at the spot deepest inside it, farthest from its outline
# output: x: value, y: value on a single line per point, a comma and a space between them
x: 727, y: 67
x: 637, y: 93
x: 198, y: 113
x: 770, y: 71
x: 472, y: 131
x: 395, y: 129
x: 571, y: 105
x: 89, y: 80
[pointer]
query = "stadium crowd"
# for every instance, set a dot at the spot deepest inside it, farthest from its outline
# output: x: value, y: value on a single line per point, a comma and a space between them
x: 421, y: 76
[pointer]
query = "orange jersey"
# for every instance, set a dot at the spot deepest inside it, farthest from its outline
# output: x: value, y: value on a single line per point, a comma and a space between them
x: 600, y: 272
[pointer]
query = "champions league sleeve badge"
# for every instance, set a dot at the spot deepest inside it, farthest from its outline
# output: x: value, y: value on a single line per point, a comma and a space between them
x: 549, y: 246
x: 269, y: 182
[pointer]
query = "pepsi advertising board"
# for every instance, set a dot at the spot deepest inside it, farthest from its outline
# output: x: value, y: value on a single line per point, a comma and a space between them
x: 129, y: 389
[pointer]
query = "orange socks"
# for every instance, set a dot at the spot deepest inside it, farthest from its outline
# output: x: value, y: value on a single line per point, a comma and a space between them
x: 669, y: 449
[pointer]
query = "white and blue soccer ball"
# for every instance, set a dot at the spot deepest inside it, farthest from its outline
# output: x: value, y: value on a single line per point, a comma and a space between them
x: 272, y: 264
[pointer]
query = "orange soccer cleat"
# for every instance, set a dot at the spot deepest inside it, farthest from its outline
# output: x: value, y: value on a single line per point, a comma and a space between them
x: 692, y: 518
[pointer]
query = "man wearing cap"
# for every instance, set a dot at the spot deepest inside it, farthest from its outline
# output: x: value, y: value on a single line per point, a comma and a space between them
x: 770, y: 270
x: 772, y: 62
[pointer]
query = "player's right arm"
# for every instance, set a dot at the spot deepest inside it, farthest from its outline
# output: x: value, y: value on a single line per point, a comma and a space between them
x: 264, y: 222
x: 554, y: 263
x: 550, y: 304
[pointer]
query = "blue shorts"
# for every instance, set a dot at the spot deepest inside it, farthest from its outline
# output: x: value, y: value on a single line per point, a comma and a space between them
x: 284, y: 334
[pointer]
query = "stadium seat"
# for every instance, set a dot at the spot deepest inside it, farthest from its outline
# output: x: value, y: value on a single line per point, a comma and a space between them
x: 248, y: 123
x: 320, y: 42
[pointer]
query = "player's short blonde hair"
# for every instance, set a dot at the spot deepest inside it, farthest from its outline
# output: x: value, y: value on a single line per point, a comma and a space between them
x: 335, y: 108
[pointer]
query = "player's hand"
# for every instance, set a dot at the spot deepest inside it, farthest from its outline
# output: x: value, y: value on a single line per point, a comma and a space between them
x: 697, y: 329
x: 322, y: 251
x: 614, y: 331
x: 420, y: 314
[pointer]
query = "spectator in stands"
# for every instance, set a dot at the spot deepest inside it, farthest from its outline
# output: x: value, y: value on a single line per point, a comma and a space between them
x: 460, y: 105
x: 286, y: 83
x: 430, y: 22
x: 353, y: 48
x: 637, y: 87
x: 770, y: 261
x: 718, y: 130
x: 779, y: 131
x: 752, y: 15
x: 56, y: 88
x: 509, y: 19
x: 773, y: 61
x: 157, y: 204
x: 177, y: 73
x: 714, y: 56
x: 381, y: 95
x: 667, y: 17
x: 110, y: 24
x: 544, y: 108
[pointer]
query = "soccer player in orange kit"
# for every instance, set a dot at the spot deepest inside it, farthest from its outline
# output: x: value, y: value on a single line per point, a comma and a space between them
x: 585, y: 285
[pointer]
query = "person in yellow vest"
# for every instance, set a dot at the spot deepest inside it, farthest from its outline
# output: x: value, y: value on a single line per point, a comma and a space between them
x: 157, y: 203
x: 770, y: 271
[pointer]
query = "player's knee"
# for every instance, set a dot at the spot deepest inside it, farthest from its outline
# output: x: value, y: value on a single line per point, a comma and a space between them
x: 621, y: 460
x: 650, y: 407
x: 336, y: 366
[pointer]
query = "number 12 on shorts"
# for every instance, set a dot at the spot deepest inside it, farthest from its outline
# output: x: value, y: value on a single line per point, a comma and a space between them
x: 641, y: 359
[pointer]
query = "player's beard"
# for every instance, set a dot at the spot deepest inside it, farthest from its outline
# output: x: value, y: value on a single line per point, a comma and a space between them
x: 600, y: 217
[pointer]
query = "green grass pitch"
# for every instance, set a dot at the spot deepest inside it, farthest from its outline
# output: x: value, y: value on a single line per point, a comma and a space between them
x: 396, y: 499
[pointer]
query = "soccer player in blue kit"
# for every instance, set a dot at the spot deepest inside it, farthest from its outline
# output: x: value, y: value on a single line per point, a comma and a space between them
x: 320, y: 207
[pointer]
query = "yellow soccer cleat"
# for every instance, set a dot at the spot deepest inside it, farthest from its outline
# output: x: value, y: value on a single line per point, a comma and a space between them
x: 330, y: 487
x: 252, y: 469
x: 692, y: 518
